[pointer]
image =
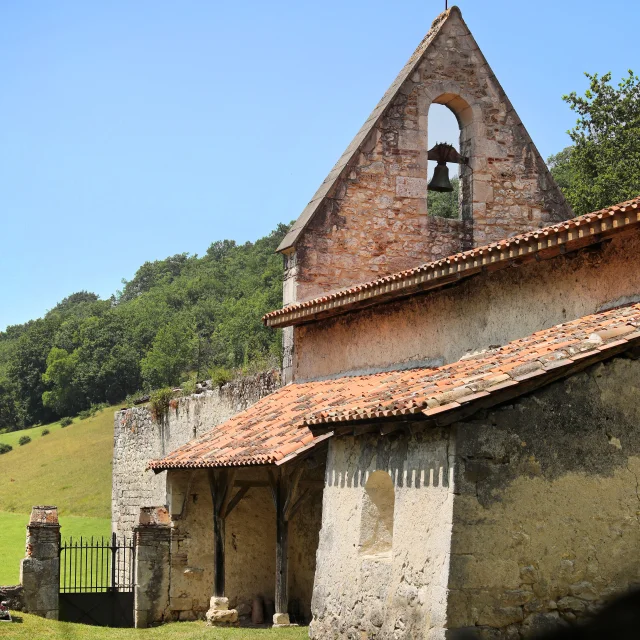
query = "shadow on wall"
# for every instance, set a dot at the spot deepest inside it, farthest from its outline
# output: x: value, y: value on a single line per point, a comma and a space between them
x: 427, y: 471
x: 620, y: 620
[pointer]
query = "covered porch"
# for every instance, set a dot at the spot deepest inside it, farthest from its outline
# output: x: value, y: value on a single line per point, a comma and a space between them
x: 245, y: 507
x: 244, y: 541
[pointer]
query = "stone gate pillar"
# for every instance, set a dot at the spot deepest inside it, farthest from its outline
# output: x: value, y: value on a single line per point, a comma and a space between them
x: 40, y: 568
x: 152, y: 539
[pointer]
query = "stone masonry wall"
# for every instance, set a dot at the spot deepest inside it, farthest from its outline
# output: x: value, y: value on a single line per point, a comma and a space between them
x: 152, y: 569
x: 138, y: 439
x: 13, y: 596
x: 401, y: 595
x: 40, y: 568
x: 374, y: 221
x: 489, y: 309
x: 546, y: 518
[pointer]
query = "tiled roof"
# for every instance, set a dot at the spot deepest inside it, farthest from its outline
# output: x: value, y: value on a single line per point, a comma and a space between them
x: 569, y: 235
x: 280, y: 426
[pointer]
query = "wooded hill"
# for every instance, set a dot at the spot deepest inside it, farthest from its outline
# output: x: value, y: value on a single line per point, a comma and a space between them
x: 178, y: 319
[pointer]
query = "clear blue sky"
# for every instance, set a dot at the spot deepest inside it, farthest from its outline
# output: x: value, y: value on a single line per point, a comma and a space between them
x: 136, y: 130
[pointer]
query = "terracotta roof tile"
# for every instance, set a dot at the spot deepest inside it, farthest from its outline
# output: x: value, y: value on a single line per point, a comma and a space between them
x: 280, y: 424
x: 564, y: 236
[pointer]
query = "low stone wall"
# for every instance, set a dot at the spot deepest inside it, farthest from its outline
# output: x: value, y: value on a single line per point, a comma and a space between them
x: 138, y: 438
x: 13, y: 596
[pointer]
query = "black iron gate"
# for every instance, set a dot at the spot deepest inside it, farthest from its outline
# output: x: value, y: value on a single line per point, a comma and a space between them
x: 96, y: 581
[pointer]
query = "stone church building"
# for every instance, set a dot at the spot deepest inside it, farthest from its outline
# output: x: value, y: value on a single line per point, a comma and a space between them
x: 455, y: 438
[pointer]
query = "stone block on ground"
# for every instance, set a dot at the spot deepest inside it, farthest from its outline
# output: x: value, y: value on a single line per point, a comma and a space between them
x: 282, y: 620
x: 219, y: 615
x: 224, y: 618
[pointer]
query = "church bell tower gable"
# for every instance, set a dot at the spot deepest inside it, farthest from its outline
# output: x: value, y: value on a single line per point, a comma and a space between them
x: 370, y: 217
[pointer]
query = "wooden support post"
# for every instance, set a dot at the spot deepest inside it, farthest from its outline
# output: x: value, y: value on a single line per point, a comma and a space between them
x: 284, y: 488
x: 221, y: 484
x: 282, y: 546
x: 217, y: 478
x: 218, y: 556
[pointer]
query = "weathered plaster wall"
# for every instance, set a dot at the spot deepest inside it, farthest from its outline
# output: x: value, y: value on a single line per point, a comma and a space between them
x: 250, y: 543
x: 397, y: 595
x: 489, y: 309
x: 546, y: 518
x: 138, y: 439
x: 512, y: 522
x: 374, y: 220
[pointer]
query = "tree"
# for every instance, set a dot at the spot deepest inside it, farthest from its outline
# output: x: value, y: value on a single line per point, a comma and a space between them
x: 119, y: 374
x: 173, y: 350
x: 28, y: 363
x: 603, y: 165
x: 182, y: 314
x: 445, y: 204
x: 151, y: 274
x: 561, y: 170
x: 9, y: 418
x: 220, y: 248
x: 74, y: 302
x: 63, y: 397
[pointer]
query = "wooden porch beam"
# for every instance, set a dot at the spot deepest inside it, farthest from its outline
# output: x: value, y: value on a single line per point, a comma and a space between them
x: 258, y: 484
x: 293, y: 508
x: 242, y: 492
x: 284, y: 486
x: 217, y: 486
x: 226, y: 493
x: 291, y: 489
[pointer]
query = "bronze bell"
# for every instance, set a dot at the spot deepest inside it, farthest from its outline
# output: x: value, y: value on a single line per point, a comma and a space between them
x: 440, y: 181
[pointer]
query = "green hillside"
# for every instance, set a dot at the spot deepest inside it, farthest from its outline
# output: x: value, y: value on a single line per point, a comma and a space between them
x: 176, y: 320
x: 13, y: 526
x: 70, y: 468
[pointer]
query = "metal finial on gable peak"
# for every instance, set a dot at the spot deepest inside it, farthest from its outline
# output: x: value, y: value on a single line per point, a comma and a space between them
x: 446, y: 4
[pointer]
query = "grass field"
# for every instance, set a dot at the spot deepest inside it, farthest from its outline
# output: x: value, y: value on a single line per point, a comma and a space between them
x: 13, y: 527
x: 69, y: 468
x: 30, y: 627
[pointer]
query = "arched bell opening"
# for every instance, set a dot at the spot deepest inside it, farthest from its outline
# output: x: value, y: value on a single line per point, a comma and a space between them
x: 449, y: 194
